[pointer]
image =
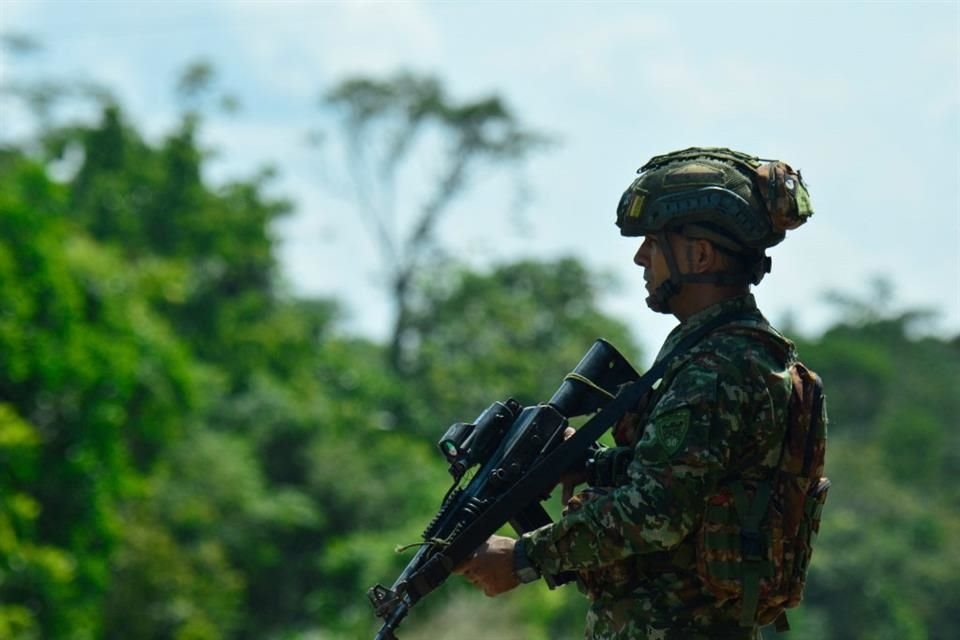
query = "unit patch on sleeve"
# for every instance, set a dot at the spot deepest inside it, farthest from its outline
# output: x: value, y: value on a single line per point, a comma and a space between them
x: 671, y: 429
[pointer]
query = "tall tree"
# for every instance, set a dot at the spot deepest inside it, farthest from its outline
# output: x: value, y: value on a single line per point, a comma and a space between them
x: 388, y: 126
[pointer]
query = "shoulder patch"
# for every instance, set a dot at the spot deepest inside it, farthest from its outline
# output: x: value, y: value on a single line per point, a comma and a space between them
x: 671, y: 429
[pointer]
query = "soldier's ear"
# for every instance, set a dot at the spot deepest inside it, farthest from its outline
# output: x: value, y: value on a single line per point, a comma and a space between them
x: 703, y: 257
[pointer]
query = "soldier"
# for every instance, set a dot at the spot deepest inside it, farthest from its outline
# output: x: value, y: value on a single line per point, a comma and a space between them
x: 719, y: 413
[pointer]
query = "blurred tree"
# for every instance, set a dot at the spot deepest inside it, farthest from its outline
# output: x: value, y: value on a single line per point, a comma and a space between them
x: 387, y: 126
x: 197, y: 88
x: 170, y: 256
x: 100, y: 386
x: 213, y: 500
x: 888, y: 560
x: 513, y: 332
x: 215, y: 245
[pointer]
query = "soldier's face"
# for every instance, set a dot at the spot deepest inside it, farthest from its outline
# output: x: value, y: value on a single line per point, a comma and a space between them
x: 650, y: 257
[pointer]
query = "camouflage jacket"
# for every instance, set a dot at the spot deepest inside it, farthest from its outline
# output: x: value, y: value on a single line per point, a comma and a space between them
x: 719, y: 412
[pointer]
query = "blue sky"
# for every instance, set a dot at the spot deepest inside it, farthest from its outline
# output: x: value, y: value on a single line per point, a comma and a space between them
x: 863, y: 97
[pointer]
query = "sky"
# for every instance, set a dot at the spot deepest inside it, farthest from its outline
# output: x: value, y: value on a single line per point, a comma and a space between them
x: 864, y: 98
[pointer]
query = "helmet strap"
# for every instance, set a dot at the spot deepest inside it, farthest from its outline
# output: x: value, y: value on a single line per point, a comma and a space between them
x: 753, y: 275
x: 752, y: 272
x: 659, y: 300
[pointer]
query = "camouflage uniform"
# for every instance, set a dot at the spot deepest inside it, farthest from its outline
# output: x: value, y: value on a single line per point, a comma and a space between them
x: 720, y: 411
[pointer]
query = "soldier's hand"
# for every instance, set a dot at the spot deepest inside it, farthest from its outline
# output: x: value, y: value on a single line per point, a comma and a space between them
x: 491, y: 566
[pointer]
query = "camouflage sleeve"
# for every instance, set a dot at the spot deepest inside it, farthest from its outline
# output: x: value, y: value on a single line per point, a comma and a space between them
x: 684, y: 448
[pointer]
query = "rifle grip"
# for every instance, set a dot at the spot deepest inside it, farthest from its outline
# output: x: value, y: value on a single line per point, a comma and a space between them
x: 531, y: 517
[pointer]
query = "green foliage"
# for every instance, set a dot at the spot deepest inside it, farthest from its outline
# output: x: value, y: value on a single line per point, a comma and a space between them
x: 512, y: 333
x: 162, y: 587
x: 99, y: 379
x: 887, y: 562
x: 25, y: 563
x: 211, y: 250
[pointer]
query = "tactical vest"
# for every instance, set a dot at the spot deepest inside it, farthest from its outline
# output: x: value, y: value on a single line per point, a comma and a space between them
x: 754, y: 547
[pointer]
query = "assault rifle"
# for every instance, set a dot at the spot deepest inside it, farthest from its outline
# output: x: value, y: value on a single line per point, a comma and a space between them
x: 518, y: 454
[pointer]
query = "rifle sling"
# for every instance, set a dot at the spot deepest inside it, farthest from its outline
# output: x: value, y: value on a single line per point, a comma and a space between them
x: 544, y: 475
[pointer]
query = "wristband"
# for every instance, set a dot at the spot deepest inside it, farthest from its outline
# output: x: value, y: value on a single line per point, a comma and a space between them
x: 522, y: 567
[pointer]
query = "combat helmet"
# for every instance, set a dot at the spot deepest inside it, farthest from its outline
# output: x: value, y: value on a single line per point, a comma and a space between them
x: 742, y: 204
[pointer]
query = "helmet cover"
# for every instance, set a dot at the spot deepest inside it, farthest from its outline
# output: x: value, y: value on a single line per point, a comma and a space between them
x: 735, y: 200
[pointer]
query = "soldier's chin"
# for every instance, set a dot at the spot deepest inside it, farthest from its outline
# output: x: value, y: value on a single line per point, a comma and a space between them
x: 654, y: 303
